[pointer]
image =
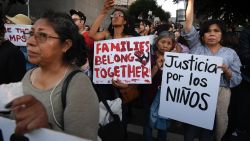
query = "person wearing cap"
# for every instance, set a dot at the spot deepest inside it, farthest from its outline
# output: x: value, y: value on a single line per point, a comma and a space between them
x: 80, y: 19
x: 12, y: 61
x: 23, y: 20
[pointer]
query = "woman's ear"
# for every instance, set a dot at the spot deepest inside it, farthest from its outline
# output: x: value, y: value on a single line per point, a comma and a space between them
x: 67, y: 45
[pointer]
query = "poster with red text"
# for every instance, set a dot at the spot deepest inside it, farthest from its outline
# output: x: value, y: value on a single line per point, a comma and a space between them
x: 125, y: 59
x: 15, y: 33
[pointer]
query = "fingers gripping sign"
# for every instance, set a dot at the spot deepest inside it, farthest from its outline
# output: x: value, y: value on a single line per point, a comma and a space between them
x: 26, y: 109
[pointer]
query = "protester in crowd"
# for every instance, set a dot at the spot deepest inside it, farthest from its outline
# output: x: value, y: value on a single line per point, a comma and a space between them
x: 117, y: 29
x: 164, y: 42
x: 80, y: 19
x: 53, y: 45
x: 208, y: 42
x: 12, y: 61
x: 168, y: 27
x: 24, y: 20
x: 144, y: 28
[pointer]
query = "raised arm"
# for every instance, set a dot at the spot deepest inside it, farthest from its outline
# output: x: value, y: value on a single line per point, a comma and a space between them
x: 108, y: 4
x: 189, y: 16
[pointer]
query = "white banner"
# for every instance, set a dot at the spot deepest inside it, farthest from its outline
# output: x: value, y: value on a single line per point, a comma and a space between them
x: 14, y: 33
x: 7, y: 129
x: 189, y: 91
x: 125, y: 59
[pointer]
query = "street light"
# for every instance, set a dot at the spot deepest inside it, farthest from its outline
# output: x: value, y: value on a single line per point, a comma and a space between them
x: 181, y: 11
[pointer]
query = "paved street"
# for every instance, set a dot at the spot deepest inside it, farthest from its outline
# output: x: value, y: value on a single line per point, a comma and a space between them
x: 135, y: 127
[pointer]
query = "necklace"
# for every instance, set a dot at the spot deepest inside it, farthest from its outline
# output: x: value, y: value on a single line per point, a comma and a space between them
x: 50, y: 98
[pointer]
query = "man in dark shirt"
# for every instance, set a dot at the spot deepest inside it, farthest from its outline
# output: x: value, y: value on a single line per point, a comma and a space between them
x: 12, y: 61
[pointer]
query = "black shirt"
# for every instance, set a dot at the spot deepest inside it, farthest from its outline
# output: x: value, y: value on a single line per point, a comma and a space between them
x: 12, y: 63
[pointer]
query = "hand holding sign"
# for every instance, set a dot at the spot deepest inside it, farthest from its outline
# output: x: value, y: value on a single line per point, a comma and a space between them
x: 118, y: 84
x: 225, y: 69
x: 26, y: 109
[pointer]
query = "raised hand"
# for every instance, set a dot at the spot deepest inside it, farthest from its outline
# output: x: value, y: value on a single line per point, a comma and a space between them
x: 108, y: 4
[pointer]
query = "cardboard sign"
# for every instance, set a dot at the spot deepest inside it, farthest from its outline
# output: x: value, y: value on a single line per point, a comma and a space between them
x: 14, y: 33
x: 190, y: 86
x: 8, y: 127
x: 125, y: 59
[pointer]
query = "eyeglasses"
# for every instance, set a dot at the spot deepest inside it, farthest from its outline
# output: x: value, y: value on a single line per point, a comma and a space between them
x: 117, y: 15
x: 39, y: 36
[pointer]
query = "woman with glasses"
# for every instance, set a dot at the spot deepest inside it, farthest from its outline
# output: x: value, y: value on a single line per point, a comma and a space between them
x: 54, y: 45
x: 118, y: 28
x: 208, y: 42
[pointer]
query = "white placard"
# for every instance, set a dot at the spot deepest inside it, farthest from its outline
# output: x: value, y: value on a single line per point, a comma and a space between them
x: 127, y: 59
x: 189, y: 91
x: 14, y: 33
x: 8, y: 92
x: 8, y: 127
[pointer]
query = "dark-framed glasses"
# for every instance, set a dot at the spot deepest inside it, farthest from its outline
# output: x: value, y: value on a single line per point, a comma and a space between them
x: 39, y: 36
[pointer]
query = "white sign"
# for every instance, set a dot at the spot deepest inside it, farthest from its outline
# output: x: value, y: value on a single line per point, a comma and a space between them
x: 190, y: 86
x: 125, y: 59
x: 8, y: 127
x: 8, y: 92
x: 15, y: 33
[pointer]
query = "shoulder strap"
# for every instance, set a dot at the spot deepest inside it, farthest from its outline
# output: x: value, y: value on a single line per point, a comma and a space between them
x: 65, y: 87
x: 64, y: 92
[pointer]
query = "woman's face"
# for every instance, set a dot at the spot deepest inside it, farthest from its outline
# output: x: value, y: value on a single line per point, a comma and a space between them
x: 142, y: 26
x: 78, y: 21
x: 213, y: 35
x: 165, y: 44
x: 43, y: 44
x: 118, y: 19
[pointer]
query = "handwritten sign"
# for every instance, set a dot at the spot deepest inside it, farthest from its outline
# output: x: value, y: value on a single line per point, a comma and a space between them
x: 14, y: 33
x: 127, y: 59
x: 8, y: 127
x: 189, y: 91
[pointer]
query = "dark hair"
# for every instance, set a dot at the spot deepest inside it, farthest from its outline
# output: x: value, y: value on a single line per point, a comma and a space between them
x: 146, y: 22
x: 66, y: 29
x: 230, y: 39
x: 205, y: 27
x: 163, y: 27
x: 126, y: 30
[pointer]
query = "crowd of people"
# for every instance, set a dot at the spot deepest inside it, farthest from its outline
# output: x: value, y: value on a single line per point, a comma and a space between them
x: 59, y: 43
